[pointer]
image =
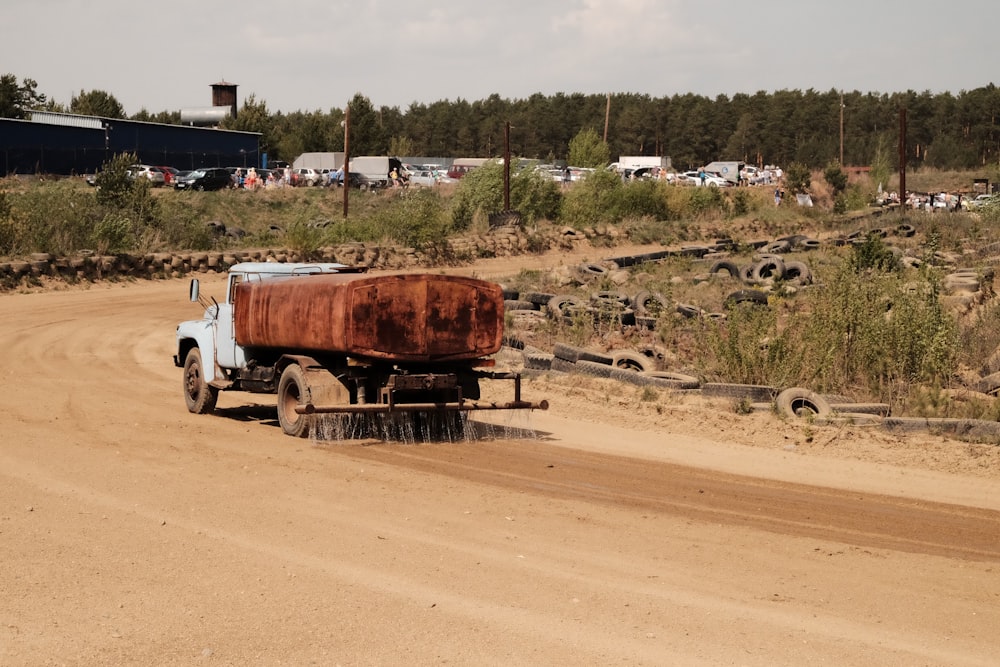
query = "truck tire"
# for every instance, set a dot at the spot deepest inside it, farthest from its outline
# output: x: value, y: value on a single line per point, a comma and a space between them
x: 293, y: 390
x: 199, y: 396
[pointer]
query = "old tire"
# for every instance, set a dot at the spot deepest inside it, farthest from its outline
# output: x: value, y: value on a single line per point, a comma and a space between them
x: 198, y: 395
x: 798, y: 271
x: 566, y: 352
x: 293, y: 391
x: 688, y: 310
x: 748, y: 296
x: 725, y: 266
x: 540, y: 299
x: 610, y: 300
x: 592, y: 270
x: 768, y: 269
x: 564, y: 305
x: 633, y: 361
x: 799, y: 402
x: 671, y: 380
x: 541, y: 361
x: 650, y: 304
x: 593, y: 368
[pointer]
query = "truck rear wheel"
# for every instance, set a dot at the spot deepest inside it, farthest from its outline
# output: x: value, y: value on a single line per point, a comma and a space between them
x: 293, y: 391
x: 198, y: 394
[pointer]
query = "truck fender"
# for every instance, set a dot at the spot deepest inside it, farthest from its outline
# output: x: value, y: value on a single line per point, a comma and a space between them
x: 325, y: 388
x: 203, y: 338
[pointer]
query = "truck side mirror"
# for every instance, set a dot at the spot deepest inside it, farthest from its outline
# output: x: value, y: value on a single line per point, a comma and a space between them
x: 194, y: 290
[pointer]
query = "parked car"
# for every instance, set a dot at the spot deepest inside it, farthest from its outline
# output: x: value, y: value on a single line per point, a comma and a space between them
x: 153, y: 174
x: 423, y: 178
x: 982, y: 200
x: 694, y: 178
x: 306, y: 176
x: 169, y: 174
x: 645, y: 172
x: 355, y: 179
x: 212, y: 178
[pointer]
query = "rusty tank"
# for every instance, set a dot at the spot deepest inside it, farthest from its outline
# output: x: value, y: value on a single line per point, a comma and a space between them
x: 396, y: 317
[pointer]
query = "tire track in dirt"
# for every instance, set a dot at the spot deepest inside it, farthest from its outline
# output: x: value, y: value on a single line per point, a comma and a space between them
x: 854, y: 518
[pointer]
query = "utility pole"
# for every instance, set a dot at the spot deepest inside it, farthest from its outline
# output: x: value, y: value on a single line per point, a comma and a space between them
x: 347, y: 155
x: 607, y: 115
x: 841, y: 129
x: 902, y: 154
x: 506, y: 166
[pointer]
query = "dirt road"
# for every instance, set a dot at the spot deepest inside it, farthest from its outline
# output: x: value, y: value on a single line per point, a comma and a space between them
x: 132, y: 532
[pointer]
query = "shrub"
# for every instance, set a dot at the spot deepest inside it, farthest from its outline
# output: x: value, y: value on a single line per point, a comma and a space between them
x: 587, y: 149
x: 798, y: 178
x: 873, y: 255
x: 480, y: 192
x: 593, y: 199
x: 836, y: 177
x: 641, y: 198
x: 741, y: 202
x: 54, y: 218
x: 114, y: 233
x: 874, y: 334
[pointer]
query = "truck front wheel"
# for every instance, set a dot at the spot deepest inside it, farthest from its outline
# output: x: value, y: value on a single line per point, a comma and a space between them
x: 293, y: 391
x: 198, y: 394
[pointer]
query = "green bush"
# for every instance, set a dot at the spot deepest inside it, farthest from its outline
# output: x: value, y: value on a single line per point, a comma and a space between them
x: 603, y: 197
x: 119, y: 192
x: 742, y: 202
x: 642, y: 198
x: 480, y: 192
x: 797, y: 178
x: 57, y: 218
x: 593, y: 199
x: 873, y: 255
x: 873, y: 334
x: 690, y: 203
x: 836, y: 177
x: 114, y: 233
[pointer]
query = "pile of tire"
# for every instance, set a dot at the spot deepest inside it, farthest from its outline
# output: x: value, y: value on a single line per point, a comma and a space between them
x: 767, y: 269
x: 608, y: 307
x: 531, y: 303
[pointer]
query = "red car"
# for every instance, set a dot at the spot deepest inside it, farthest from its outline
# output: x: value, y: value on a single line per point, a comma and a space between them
x: 169, y: 174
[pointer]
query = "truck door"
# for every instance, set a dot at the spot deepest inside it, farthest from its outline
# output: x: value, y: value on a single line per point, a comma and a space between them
x: 228, y: 353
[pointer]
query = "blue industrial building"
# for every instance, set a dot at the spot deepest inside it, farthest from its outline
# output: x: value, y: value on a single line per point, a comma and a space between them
x: 63, y: 144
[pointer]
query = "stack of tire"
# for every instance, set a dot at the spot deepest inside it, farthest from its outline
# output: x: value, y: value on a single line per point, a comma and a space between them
x: 610, y: 307
x: 525, y: 304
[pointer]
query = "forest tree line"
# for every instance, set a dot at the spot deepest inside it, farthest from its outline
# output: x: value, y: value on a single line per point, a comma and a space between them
x: 943, y: 130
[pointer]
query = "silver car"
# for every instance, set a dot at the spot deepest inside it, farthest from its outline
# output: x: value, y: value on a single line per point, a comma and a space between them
x: 423, y: 178
x: 154, y: 175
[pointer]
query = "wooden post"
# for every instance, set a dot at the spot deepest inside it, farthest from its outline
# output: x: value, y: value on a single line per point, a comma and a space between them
x: 347, y: 154
x: 506, y: 166
x: 902, y: 154
x: 607, y: 116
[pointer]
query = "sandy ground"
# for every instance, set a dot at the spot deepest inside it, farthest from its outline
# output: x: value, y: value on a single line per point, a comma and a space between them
x: 605, y: 531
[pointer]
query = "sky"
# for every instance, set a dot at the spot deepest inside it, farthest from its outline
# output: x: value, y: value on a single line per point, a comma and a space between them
x: 307, y: 55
